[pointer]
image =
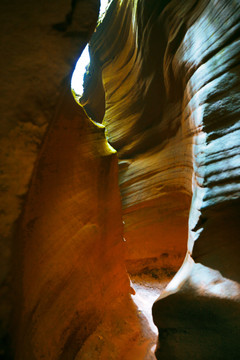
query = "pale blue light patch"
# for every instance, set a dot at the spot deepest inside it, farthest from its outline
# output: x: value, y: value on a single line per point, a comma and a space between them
x: 224, y: 190
x: 145, y: 296
x: 227, y: 174
x: 214, y: 67
x: 224, y: 143
x: 205, y: 281
x: 195, y: 213
x: 79, y: 71
x: 180, y: 278
x: 84, y: 60
x: 103, y: 8
x: 210, y: 282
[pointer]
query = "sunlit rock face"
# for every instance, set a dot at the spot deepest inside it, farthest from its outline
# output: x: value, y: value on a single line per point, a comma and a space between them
x: 144, y: 123
x: 71, y: 289
x: 170, y: 77
x: 70, y: 241
x: 164, y: 80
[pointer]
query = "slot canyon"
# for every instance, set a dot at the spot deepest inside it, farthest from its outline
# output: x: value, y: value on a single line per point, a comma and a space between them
x: 120, y: 205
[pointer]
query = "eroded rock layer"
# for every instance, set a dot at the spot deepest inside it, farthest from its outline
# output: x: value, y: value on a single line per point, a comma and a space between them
x: 170, y: 72
x: 36, y: 58
x: 210, y: 287
x: 70, y: 241
x: 164, y: 79
x: 143, y: 118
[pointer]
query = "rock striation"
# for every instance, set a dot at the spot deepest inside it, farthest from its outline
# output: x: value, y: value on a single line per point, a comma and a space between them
x: 69, y: 252
x: 170, y: 73
x: 164, y: 81
x: 36, y: 58
x: 143, y: 122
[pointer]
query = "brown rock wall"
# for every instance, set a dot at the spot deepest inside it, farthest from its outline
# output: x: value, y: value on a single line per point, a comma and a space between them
x: 209, y: 57
x: 164, y: 80
x: 172, y: 113
x: 153, y: 145
x: 34, y: 61
x: 69, y: 256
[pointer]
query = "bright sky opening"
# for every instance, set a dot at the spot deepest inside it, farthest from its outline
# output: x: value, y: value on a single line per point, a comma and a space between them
x: 84, y: 60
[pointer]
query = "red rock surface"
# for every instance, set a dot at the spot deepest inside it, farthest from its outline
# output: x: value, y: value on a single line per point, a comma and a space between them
x: 144, y: 124
x: 70, y: 263
x: 35, y: 60
x: 164, y: 80
x: 171, y: 78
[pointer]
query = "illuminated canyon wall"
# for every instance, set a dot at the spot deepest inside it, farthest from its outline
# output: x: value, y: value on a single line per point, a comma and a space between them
x: 163, y: 106
x: 170, y: 72
x: 164, y: 80
x: 144, y: 123
x: 70, y: 241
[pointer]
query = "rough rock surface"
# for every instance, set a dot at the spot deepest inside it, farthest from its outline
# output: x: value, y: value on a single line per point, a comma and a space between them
x: 170, y: 72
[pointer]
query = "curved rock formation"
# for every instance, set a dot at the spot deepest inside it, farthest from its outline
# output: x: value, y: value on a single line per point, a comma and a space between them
x: 144, y: 124
x: 71, y: 264
x: 164, y: 80
x: 69, y: 290
x: 170, y: 72
x: 35, y: 60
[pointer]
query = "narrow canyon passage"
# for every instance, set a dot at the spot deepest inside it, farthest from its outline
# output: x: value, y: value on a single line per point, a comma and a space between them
x: 148, y: 276
x: 156, y: 82
x: 121, y: 208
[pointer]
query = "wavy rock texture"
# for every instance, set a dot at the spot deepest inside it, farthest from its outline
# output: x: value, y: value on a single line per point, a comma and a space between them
x: 144, y: 124
x: 35, y: 60
x: 71, y: 286
x: 63, y: 277
x: 164, y: 80
x: 170, y: 72
x: 70, y: 241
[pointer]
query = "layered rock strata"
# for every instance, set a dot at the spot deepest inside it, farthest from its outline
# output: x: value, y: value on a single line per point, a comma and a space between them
x: 143, y: 121
x: 164, y: 79
x: 170, y: 72
x: 69, y: 256
x: 35, y: 60
x: 206, y: 293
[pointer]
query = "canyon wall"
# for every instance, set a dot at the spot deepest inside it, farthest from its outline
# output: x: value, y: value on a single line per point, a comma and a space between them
x: 71, y: 263
x: 64, y: 286
x: 170, y: 73
x: 36, y: 58
x: 164, y: 80
x: 143, y: 119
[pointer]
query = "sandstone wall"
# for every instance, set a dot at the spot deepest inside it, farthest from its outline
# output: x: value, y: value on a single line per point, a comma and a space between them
x: 143, y: 118
x: 170, y: 72
x: 35, y: 59
x: 164, y: 80
x: 69, y: 260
